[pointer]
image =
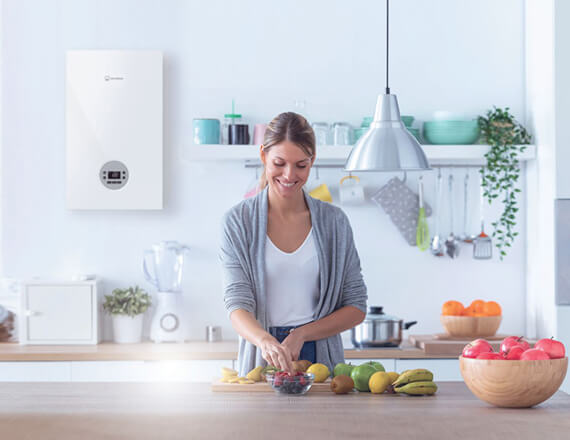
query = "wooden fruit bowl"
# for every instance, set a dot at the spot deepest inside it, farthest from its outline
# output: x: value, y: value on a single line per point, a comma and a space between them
x: 471, y: 326
x: 513, y: 384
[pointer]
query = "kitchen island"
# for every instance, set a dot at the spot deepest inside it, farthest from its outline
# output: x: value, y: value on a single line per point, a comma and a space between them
x: 192, y: 411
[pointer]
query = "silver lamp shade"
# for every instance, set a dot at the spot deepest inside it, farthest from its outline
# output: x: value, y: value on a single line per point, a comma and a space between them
x: 387, y: 145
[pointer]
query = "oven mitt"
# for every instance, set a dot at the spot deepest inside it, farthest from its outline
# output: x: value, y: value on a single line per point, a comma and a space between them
x: 401, y: 204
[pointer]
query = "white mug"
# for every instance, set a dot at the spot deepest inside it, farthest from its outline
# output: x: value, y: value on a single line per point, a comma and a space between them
x: 351, y: 191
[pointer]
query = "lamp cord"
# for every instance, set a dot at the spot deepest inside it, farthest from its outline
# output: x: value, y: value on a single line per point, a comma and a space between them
x: 387, y: 46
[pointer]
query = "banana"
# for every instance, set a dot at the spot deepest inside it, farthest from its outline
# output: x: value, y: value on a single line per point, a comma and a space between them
x: 418, y: 388
x: 417, y: 375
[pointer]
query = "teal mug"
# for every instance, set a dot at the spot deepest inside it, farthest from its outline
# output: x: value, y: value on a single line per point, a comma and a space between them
x: 206, y: 131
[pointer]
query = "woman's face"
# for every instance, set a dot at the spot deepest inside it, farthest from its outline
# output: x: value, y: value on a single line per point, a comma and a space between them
x: 287, y: 168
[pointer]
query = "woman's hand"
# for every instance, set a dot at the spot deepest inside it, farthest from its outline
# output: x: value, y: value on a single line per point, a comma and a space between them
x: 294, y: 343
x: 276, y: 354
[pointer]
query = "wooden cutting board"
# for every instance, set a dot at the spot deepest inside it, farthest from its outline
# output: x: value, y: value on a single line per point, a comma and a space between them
x: 262, y: 387
x: 430, y: 344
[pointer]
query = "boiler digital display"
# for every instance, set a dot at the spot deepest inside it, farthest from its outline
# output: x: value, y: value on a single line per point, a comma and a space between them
x: 114, y: 174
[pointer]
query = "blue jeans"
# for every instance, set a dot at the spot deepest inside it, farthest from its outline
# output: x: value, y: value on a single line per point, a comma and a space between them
x: 309, y: 349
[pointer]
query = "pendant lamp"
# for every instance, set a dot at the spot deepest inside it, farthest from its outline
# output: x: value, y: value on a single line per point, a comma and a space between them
x: 387, y: 145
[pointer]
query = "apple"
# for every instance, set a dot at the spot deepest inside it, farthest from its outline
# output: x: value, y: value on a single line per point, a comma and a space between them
x: 534, y: 354
x: 512, y: 341
x: 476, y: 347
x: 553, y: 348
x: 490, y: 355
x: 514, y: 353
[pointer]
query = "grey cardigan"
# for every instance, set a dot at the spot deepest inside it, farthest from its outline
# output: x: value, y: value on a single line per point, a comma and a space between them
x: 242, y: 255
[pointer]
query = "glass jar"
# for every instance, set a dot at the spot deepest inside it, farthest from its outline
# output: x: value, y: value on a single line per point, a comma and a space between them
x: 229, y: 119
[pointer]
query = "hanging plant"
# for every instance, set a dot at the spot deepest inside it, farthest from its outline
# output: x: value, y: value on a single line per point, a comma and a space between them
x: 507, y: 139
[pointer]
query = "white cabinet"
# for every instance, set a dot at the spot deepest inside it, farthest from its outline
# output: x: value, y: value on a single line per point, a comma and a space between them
x: 147, y: 371
x: 443, y: 369
x: 35, y: 371
x: 58, y: 312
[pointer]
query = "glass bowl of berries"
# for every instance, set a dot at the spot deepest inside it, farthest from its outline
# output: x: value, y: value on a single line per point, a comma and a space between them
x: 285, y: 383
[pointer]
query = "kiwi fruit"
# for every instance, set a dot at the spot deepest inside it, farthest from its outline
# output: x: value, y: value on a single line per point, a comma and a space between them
x: 342, y: 384
x: 301, y: 366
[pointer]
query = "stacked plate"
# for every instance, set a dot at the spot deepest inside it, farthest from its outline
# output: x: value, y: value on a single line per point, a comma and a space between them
x: 449, y: 132
x: 408, y: 121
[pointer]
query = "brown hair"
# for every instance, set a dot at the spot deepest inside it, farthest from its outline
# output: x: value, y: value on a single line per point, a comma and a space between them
x: 290, y: 127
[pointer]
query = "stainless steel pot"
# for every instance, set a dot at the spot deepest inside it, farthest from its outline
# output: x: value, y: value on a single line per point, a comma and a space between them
x: 379, y: 330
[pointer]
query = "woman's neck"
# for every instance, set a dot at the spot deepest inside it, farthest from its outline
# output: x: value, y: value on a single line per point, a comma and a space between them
x: 286, y: 207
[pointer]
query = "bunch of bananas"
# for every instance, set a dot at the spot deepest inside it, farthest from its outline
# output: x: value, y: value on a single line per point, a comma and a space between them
x: 415, y: 382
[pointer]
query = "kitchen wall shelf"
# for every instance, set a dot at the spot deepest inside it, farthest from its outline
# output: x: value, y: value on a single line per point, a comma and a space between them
x: 438, y: 155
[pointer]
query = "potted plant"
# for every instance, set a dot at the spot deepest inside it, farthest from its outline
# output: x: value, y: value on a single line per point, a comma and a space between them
x: 507, y: 139
x: 127, y: 306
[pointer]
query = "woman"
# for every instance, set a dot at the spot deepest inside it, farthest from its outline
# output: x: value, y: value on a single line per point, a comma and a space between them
x: 292, y: 278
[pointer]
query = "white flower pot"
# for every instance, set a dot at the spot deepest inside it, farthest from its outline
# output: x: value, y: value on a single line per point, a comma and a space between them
x: 127, y: 330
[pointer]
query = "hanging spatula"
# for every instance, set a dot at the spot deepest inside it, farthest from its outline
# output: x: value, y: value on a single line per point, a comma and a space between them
x: 483, y: 244
x: 422, y: 231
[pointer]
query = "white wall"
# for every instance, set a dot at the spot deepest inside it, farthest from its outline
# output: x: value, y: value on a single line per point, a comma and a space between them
x: 444, y: 55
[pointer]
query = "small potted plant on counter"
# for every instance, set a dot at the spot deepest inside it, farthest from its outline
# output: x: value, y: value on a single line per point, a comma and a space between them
x: 127, y: 306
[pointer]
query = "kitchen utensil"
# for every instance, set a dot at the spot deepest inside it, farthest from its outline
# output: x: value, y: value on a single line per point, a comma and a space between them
x: 321, y: 192
x: 513, y: 384
x: 422, y: 231
x: 291, y: 384
x: 213, y: 333
x: 321, y: 130
x: 206, y: 131
x: 437, y: 247
x: 451, y: 244
x: 166, y: 260
x: 342, y: 133
x: 483, y: 244
x: 351, y: 191
x: 470, y: 326
x: 401, y: 204
x: 466, y: 237
x: 379, y: 330
x: 451, y: 132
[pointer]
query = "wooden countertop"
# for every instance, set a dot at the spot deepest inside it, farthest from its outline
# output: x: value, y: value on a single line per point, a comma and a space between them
x: 173, y: 351
x: 65, y: 411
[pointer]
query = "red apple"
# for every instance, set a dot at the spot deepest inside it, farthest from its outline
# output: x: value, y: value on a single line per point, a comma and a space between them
x: 511, y: 341
x: 475, y: 347
x: 490, y: 355
x: 554, y: 349
x: 514, y: 353
x: 534, y: 354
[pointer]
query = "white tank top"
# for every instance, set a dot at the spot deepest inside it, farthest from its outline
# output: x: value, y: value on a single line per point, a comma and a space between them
x: 292, y: 281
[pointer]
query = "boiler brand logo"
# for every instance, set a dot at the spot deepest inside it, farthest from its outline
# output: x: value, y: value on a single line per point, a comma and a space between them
x: 112, y: 78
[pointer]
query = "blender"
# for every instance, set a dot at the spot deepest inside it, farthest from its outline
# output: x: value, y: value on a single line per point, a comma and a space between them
x: 162, y: 267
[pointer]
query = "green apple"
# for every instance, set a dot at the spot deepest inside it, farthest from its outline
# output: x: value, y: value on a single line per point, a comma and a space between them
x: 361, y: 375
x: 377, y: 365
x: 341, y: 368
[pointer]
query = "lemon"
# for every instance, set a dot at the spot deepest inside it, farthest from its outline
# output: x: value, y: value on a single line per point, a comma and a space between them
x: 379, y: 382
x: 321, y: 372
x: 393, y: 376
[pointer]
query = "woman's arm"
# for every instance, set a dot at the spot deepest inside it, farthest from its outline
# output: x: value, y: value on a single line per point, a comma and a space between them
x: 337, y: 322
x: 271, y: 350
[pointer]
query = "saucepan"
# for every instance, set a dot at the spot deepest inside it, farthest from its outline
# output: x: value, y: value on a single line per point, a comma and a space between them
x: 379, y: 330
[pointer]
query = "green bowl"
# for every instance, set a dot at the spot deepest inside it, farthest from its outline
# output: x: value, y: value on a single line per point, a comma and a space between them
x: 416, y: 133
x: 451, y: 132
x: 446, y: 125
x: 407, y: 120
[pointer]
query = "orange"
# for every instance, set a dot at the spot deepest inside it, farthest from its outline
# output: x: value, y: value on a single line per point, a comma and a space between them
x: 492, y: 308
x: 475, y: 308
x: 452, y: 308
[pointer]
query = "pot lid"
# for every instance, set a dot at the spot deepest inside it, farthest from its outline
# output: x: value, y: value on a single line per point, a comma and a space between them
x: 375, y: 313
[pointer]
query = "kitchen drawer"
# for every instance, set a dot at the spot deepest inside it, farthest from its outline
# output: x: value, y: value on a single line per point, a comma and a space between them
x: 35, y: 371
x: 58, y: 312
x: 442, y: 369
x: 148, y: 371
